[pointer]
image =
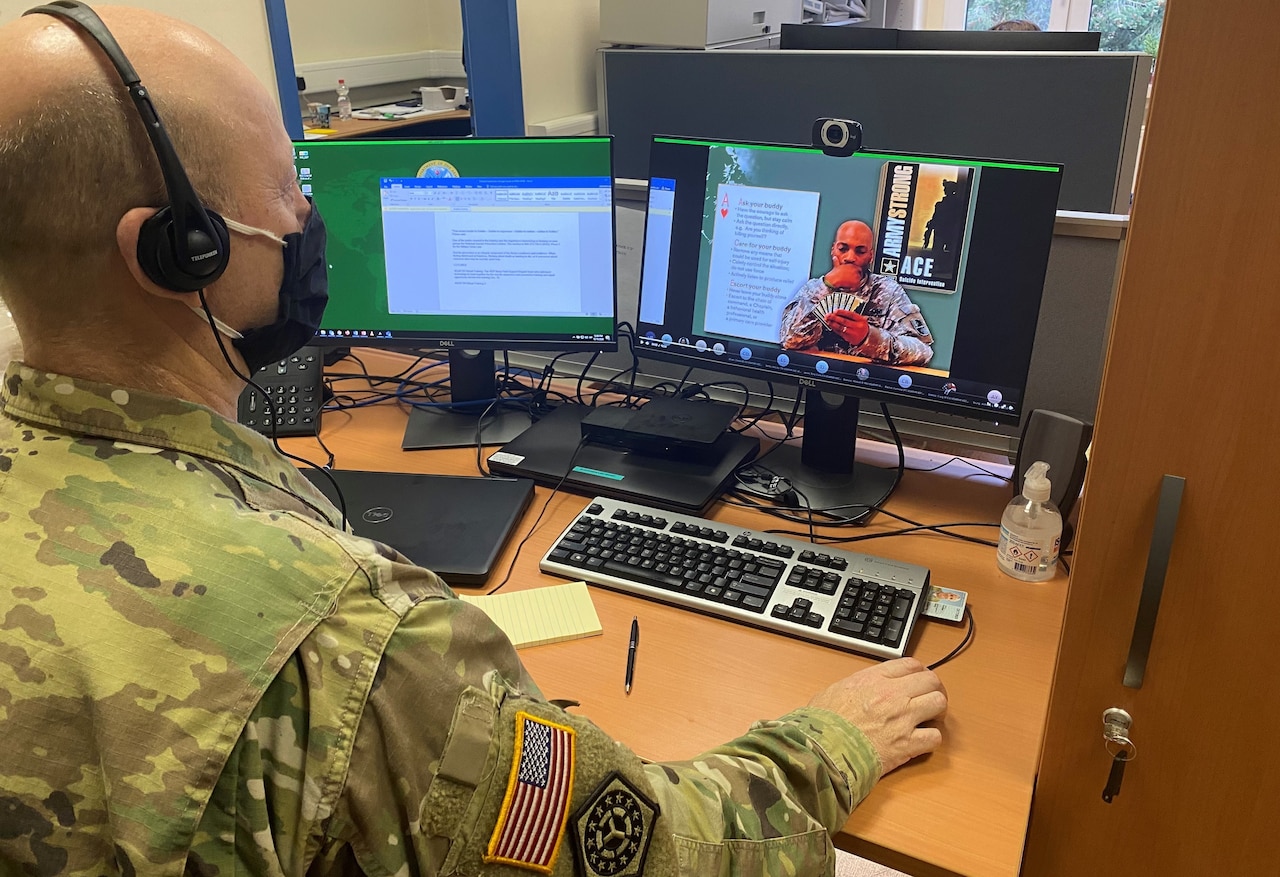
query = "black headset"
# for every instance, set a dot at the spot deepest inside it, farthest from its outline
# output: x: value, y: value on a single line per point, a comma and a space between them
x: 184, y: 247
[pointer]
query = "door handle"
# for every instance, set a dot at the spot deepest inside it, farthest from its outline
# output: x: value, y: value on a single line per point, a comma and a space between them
x: 1144, y: 626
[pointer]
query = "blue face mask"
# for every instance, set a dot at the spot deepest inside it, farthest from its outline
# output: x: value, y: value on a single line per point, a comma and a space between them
x: 303, y: 294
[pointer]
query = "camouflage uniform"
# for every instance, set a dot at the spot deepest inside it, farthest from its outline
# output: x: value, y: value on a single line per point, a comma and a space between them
x: 897, y: 333
x: 199, y: 673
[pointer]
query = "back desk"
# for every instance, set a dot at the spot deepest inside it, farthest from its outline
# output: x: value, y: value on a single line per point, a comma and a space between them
x: 700, y: 681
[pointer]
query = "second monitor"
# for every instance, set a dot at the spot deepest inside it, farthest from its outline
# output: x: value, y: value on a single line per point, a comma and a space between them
x: 468, y: 245
x: 911, y: 279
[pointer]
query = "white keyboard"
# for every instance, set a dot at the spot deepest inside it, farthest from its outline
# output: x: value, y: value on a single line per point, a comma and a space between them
x: 838, y: 598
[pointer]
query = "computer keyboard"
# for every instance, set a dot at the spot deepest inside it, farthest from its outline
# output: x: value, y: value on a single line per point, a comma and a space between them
x: 838, y: 598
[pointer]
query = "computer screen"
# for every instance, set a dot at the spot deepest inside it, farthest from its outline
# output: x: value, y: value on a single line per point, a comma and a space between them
x: 827, y: 37
x: 903, y: 278
x: 999, y: 40
x: 466, y: 244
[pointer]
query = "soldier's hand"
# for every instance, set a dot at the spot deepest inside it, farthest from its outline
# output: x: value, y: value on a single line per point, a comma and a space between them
x: 849, y: 325
x: 888, y: 703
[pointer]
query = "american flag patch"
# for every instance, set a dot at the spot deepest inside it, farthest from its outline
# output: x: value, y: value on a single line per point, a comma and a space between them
x: 536, y: 807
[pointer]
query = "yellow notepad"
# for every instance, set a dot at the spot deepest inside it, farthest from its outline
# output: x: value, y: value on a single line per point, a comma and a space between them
x: 541, y: 615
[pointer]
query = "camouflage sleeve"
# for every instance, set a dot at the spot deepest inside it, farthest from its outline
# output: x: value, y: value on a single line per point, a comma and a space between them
x: 768, y: 801
x: 902, y: 336
x: 800, y: 328
x: 460, y: 766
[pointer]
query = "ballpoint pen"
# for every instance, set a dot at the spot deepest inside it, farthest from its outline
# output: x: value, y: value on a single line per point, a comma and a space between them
x: 631, y: 650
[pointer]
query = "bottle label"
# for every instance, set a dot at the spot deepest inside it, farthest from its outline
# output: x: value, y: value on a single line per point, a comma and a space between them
x: 1024, y: 555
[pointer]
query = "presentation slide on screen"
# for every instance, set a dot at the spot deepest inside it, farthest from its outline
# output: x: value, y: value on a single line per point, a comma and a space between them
x: 760, y: 255
x: 857, y: 258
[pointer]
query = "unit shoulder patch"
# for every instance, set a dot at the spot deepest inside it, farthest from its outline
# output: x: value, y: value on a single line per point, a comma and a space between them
x: 613, y: 828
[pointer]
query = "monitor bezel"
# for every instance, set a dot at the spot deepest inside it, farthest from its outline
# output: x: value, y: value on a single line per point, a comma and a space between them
x: 446, y: 342
x: 678, y: 356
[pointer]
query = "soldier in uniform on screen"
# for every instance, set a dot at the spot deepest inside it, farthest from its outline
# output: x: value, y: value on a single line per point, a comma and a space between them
x: 853, y: 312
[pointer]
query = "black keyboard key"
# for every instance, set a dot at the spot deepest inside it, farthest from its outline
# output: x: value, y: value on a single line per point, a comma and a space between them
x: 813, y: 619
x: 848, y: 628
x: 762, y: 581
x: 595, y: 508
x: 648, y: 576
x: 900, y: 608
x: 754, y: 590
x: 780, y: 610
x: 756, y: 604
x: 892, y: 633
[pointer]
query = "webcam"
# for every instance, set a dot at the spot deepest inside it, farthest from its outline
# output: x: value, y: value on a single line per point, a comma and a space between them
x: 838, y: 137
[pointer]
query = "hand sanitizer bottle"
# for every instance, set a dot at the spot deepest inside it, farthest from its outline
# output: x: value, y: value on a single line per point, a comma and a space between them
x: 1030, y: 530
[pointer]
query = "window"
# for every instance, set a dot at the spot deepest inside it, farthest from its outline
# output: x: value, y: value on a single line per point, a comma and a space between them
x: 1125, y: 25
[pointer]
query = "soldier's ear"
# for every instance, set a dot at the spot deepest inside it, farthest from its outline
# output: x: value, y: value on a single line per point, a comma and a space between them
x: 128, y: 230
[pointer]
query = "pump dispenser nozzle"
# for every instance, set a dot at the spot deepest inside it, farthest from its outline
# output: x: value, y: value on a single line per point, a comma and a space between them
x: 1035, y: 486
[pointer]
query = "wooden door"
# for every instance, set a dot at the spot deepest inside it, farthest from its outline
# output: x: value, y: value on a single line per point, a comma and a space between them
x: 1191, y: 388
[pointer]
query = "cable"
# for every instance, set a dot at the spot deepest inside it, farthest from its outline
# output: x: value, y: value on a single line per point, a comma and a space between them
x: 1006, y: 479
x: 964, y: 643
x: 536, y: 521
x: 271, y: 410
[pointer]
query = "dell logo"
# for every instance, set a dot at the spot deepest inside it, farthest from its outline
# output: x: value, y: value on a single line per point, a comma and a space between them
x: 445, y: 343
x: 807, y: 382
x: 377, y: 515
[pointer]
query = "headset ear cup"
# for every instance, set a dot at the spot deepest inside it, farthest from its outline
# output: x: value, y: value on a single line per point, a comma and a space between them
x: 158, y: 252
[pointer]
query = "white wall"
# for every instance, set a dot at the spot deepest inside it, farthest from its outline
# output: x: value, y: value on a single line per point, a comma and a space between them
x: 240, y: 25
x: 558, y: 42
x: 444, y: 24
x: 330, y: 30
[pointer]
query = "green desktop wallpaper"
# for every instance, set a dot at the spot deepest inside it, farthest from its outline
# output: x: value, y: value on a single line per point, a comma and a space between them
x: 346, y: 176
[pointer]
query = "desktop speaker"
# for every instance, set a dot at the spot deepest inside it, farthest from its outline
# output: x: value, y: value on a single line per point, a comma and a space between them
x: 1060, y: 441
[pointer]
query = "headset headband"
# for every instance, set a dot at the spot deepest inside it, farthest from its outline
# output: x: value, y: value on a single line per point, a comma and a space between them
x: 186, y: 212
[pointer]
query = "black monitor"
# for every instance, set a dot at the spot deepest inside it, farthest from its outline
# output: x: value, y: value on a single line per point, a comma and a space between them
x: 829, y: 37
x: 900, y: 278
x: 999, y: 40
x: 469, y: 246
x: 836, y: 37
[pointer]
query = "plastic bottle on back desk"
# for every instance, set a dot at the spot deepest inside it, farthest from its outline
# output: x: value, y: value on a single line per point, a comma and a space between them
x: 344, y: 100
x: 1030, y: 530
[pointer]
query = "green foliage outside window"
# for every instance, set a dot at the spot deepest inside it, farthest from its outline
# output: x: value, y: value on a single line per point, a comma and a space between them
x: 1126, y: 25
x: 982, y: 14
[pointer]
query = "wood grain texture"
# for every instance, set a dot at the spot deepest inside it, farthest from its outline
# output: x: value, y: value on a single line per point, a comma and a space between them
x: 1188, y: 390
x: 701, y: 681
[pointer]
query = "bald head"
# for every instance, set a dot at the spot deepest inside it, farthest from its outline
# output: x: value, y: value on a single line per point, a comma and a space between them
x: 79, y: 177
x: 74, y: 156
x: 851, y: 254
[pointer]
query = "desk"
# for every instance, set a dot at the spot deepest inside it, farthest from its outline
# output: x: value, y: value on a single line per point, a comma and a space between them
x: 701, y: 681
x: 449, y: 123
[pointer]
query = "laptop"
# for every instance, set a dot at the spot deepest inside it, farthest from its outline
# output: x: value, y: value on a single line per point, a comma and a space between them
x: 453, y: 525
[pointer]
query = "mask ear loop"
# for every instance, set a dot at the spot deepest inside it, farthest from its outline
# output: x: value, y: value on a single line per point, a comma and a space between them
x: 254, y: 231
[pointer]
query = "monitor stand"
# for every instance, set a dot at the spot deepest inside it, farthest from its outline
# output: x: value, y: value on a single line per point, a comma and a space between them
x: 823, y: 468
x: 472, y: 380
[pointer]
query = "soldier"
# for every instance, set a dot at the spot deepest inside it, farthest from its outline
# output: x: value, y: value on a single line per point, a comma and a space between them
x: 200, y: 672
x: 888, y: 327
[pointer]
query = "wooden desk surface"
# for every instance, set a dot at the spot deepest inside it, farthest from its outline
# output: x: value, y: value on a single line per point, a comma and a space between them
x: 700, y: 681
x: 363, y: 127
